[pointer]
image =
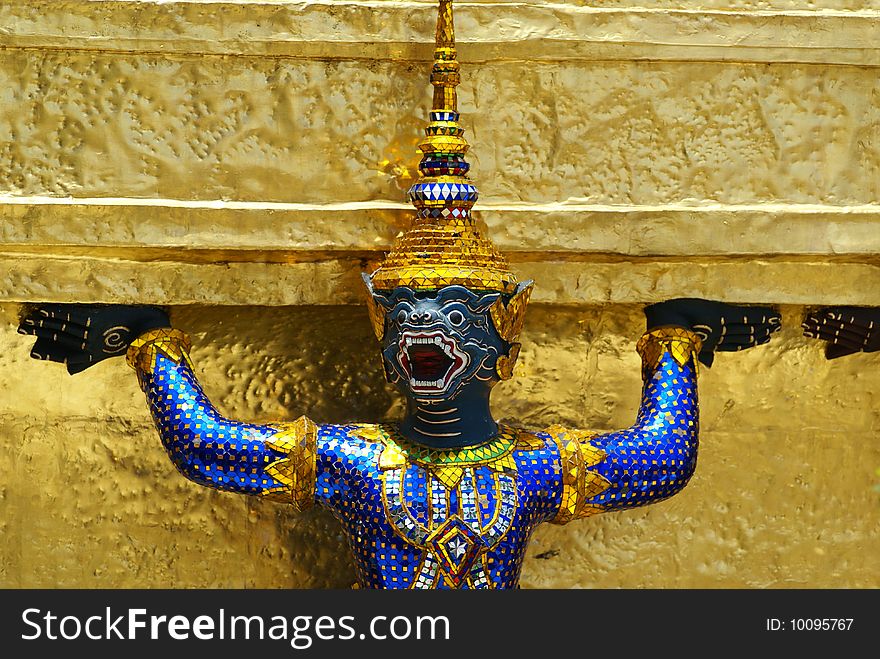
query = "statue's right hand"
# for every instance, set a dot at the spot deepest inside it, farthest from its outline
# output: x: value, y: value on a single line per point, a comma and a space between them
x: 80, y: 335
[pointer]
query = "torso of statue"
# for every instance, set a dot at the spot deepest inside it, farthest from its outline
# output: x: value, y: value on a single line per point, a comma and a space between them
x: 427, y: 517
x: 417, y: 517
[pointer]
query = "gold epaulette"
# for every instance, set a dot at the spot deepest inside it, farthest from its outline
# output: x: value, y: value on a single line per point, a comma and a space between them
x: 296, y: 471
x: 579, y: 484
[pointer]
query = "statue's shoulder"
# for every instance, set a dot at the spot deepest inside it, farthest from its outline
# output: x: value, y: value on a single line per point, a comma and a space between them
x: 529, y: 440
x: 562, y: 435
x: 555, y: 439
x: 350, y: 439
x: 348, y: 451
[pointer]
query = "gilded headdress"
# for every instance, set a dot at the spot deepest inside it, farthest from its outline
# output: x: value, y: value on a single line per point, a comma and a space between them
x: 444, y: 246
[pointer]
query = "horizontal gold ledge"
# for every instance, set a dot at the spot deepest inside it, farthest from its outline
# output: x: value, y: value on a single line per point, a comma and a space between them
x: 56, y: 279
x: 206, y: 231
x: 404, y: 31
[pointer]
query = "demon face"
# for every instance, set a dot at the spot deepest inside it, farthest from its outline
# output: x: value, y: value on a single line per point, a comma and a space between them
x: 436, y: 343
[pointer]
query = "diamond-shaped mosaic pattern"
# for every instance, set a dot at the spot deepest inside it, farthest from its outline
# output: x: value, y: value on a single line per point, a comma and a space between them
x: 445, y: 191
x: 456, y: 546
x: 445, y: 212
x: 444, y: 115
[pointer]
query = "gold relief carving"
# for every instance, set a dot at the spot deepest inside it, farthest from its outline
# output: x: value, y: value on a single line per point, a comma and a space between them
x: 258, y: 166
x: 56, y: 278
x: 314, y: 30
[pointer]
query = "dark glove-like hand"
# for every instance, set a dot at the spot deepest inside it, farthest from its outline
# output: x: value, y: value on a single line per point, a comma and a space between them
x: 846, y: 329
x: 721, y: 326
x: 80, y: 335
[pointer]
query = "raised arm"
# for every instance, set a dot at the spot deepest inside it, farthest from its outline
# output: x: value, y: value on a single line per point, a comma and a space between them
x: 276, y: 461
x: 654, y: 458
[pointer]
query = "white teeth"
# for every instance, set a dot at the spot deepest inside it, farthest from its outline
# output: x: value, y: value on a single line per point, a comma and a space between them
x: 437, y: 340
x: 426, y: 383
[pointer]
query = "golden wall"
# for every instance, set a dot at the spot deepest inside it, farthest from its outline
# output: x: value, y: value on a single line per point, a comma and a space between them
x: 242, y: 162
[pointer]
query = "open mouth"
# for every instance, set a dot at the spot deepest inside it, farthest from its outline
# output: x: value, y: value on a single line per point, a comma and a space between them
x: 430, y: 361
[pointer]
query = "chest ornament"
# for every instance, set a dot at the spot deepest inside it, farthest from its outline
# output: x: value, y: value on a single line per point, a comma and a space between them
x: 466, y: 502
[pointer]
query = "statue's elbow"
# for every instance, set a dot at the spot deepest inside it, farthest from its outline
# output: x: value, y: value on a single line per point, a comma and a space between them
x: 685, y: 470
x: 188, y: 466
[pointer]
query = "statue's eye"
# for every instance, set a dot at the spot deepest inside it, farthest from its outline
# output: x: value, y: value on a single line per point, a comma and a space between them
x: 456, y: 318
x: 401, y: 317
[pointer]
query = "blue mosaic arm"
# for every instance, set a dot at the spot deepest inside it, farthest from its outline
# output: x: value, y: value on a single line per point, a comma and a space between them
x: 274, y: 461
x: 654, y: 458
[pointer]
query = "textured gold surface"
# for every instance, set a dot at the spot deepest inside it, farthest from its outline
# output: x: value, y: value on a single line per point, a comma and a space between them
x: 297, y: 131
x: 68, y: 279
x: 782, y: 495
x: 199, y: 231
x: 403, y: 30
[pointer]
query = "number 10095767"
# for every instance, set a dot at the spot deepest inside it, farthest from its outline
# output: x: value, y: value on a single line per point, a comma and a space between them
x: 809, y: 624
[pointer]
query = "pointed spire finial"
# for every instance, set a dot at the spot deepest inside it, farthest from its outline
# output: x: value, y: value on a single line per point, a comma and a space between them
x: 444, y: 246
x: 444, y: 74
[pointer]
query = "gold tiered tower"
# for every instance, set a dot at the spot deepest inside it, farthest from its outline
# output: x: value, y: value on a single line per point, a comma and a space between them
x: 444, y: 246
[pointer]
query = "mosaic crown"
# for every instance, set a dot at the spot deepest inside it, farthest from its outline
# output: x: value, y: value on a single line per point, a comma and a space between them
x: 444, y: 246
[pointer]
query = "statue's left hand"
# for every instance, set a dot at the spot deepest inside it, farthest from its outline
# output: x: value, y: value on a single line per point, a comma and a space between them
x: 81, y: 335
x: 724, y: 327
x: 847, y: 330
